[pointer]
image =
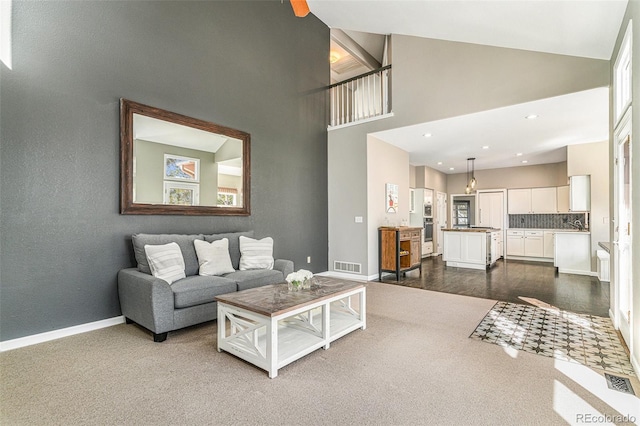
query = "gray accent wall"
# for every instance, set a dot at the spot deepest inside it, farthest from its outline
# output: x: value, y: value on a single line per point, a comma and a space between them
x: 248, y: 65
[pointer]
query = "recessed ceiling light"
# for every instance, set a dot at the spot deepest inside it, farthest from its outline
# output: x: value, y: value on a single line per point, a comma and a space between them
x: 439, y: 163
x: 524, y: 161
x: 485, y: 147
x: 531, y: 116
x: 334, y: 57
x: 451, y: 168
x: 427, y: 135
x: 519, y: 154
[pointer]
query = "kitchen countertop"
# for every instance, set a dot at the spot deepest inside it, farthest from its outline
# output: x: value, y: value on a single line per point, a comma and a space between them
x: 556, y: 230
x: 484, y: 230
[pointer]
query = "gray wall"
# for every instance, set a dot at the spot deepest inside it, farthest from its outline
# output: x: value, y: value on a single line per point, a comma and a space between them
x: 246, y: 65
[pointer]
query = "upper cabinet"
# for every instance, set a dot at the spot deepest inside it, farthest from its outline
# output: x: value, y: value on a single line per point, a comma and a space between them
x: 575, y: 197
x: 580, y: 193
x: 532, y: 200
x: 519, y: 201
x: 563, y: 199
x: 544, y: 200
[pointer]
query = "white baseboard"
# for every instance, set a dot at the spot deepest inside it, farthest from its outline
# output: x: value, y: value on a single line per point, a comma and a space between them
x: 57, y: 334
x: 344, y: 275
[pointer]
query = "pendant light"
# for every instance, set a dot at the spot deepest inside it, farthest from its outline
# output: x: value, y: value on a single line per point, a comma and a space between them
x: 471, y: 178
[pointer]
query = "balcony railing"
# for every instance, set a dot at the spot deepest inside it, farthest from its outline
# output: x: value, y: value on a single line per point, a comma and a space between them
x: 361, y: 97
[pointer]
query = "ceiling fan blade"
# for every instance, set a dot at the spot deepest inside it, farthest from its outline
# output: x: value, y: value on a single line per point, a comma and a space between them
x: 300, y: 8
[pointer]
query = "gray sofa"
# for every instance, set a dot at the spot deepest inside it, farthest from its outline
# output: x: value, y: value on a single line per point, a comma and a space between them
x: 160, y: 307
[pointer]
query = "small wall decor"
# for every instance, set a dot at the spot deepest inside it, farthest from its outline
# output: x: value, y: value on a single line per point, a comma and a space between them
x: 391, y: 202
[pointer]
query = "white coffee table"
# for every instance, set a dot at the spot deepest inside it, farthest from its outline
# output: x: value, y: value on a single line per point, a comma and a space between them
x: 271, y: 326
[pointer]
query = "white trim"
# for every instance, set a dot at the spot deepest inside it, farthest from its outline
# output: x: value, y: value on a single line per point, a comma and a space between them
x: 364, y: 120
x: 58, y: 334
x: 353, y: 277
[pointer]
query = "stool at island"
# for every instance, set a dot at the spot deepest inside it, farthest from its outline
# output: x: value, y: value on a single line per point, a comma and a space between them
x: 399, y: 250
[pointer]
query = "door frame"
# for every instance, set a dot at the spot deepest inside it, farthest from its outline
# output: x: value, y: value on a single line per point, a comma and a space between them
x: 624, y: 323
x: 440, y: 234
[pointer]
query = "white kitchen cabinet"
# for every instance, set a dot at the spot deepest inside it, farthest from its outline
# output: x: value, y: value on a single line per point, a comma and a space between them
x: 580, y: 193
x: 466, y: 249
x: 519, y: 201
x: 532, y: 200
x: 544, y: 200
x: 496, y: 245
x: 563, y: 199
x: 549, y: 244
x: 573, y: 252
x: 490, y: 209
x: 515, y: 242
x: 533, y: 243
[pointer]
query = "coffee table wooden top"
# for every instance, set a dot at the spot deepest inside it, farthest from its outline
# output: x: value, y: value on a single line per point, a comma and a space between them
x: 276, y: 299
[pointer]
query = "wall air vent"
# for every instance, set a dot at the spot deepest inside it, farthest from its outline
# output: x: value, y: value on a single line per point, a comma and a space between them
x: 350, y: 267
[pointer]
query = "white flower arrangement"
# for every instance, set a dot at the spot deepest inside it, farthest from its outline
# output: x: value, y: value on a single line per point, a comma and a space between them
x: 299, y: 279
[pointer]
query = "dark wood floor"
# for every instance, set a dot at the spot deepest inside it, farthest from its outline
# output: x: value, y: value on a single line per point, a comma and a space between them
x: 510, y: 281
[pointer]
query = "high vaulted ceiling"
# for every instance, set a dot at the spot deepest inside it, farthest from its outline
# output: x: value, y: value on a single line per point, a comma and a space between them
x: 575, y: 28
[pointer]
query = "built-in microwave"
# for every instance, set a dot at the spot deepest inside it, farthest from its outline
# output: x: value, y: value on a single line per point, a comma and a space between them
x: 428, y: 210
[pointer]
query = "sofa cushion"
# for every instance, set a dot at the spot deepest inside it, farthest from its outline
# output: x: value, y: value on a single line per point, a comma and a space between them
x: 255, y: 278
x: 213, y: 257
x: 234, y: 244
x: 165, y: 261
x: 184, y: 241
x: 256, y: 254
x: 196, y: 290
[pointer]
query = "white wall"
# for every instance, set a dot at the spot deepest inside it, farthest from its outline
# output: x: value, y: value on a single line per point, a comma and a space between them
x: 385, y: 164
x: 593, y: 159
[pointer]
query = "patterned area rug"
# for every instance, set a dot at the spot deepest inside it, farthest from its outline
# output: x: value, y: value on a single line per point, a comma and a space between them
x: 548, y: 331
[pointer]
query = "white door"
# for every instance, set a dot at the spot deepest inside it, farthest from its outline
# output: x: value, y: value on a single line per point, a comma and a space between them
x: 622, y: 244
x: 441, y: 219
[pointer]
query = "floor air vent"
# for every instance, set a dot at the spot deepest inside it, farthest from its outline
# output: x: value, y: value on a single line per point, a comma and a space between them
x: 350, y: 267
x: 621, y: 384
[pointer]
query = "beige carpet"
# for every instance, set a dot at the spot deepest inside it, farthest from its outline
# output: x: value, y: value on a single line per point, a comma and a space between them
x: 413, y: 365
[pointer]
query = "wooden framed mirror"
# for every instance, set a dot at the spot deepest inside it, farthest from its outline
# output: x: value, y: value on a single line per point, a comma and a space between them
x: 174, y: 164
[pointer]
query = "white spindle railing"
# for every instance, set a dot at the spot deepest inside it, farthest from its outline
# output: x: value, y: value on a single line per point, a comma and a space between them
x: 361, y: 97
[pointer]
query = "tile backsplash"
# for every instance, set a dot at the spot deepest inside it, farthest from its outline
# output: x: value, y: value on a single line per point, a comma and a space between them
x: 545, y: 221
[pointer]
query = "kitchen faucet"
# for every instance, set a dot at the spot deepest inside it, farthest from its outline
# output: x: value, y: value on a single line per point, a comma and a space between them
x: 577, y: 224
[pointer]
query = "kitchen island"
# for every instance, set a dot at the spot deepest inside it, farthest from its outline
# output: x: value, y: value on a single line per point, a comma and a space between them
x: 474, y: 248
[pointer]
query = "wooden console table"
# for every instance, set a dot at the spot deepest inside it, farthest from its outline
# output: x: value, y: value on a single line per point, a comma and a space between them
x: 399, y: 250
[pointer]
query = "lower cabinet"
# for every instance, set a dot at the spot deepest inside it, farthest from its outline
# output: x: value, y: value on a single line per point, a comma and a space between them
x: 549, y: 244
x: 573, y: 252
x: 467, y: 249
x: 515, y: 243
x: 526, y: 243
x: 534, y: 243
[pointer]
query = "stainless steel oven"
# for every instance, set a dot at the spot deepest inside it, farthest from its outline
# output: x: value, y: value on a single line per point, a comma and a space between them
x: 428, y: 229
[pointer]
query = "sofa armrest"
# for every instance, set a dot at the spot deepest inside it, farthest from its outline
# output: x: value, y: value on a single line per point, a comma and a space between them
x: 146, y: 300
x: 284, y: 266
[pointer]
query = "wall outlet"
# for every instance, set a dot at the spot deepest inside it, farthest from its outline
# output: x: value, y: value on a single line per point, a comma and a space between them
x: 358, y: 219
x: 308, y: 259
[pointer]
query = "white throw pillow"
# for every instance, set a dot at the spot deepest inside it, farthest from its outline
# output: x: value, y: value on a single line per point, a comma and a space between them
x: 165, y: 261
x: 256, y: 254
x: 213, y: 257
